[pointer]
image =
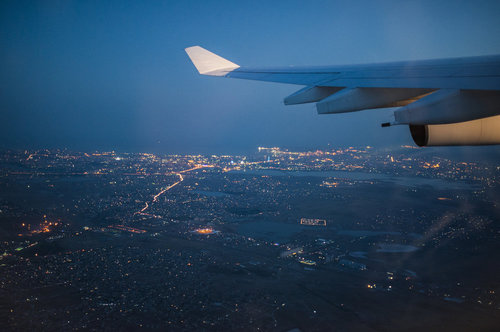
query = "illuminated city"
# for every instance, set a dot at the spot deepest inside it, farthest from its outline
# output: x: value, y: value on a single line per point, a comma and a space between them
x: 220, y: 241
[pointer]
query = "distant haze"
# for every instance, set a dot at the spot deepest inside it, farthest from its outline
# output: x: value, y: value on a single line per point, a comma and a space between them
x: 92, y: 75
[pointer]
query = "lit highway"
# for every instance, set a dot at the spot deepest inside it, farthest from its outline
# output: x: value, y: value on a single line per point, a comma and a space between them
x: 181, y: 178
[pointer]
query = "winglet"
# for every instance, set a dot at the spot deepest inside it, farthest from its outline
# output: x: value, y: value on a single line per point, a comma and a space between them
x: 208, y: 63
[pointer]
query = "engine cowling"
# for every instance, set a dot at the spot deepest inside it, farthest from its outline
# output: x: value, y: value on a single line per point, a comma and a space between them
x: 485, y: 131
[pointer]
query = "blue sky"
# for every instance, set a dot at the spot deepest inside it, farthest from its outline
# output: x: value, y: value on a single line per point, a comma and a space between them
x: 89, y: 75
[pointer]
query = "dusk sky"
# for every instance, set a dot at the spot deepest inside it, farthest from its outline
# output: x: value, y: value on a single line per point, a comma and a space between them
x: 93, y: 75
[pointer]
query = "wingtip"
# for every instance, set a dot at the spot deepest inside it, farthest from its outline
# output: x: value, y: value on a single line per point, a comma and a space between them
x: 208, y: 63
x: 192, y: 47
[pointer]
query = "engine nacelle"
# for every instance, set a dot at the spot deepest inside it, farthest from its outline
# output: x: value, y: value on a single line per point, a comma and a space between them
x: 484, y: 131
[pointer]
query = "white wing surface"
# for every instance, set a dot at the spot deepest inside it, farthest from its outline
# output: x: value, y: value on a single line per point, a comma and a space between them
x: 428, y: 92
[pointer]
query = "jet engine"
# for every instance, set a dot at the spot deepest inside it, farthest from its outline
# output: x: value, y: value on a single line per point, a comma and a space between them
x: 485, y: 131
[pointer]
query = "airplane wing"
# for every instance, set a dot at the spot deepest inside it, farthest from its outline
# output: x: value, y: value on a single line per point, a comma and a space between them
x: 445, y: 102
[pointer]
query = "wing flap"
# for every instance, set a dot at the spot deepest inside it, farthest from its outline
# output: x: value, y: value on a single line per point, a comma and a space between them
x: 357, y: 99
x: 312, y: 79
x: 310, y: 94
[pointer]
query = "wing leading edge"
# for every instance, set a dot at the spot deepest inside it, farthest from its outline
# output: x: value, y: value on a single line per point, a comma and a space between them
x: 427, y: 92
